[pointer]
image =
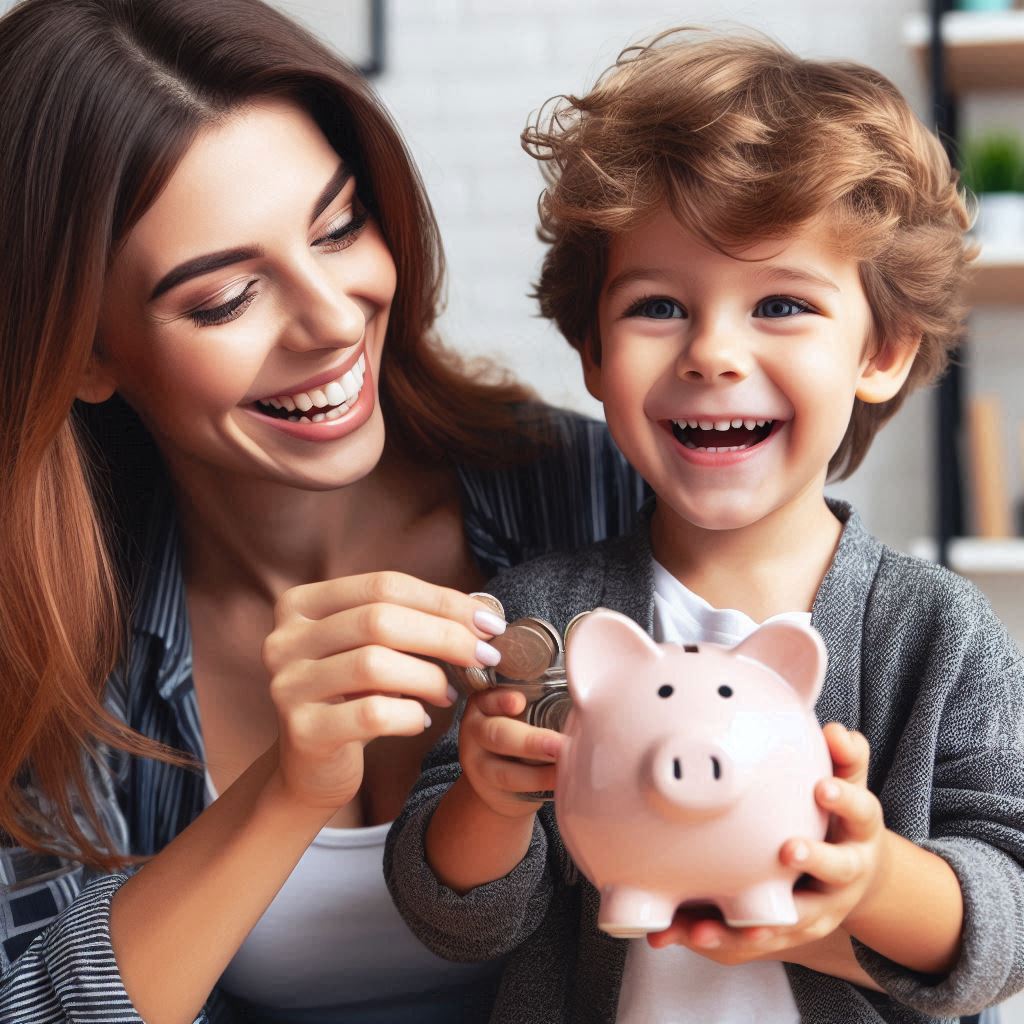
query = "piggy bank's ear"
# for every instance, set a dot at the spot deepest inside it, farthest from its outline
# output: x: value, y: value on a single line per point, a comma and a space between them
x: 603, y: 651
x: 796, y: 652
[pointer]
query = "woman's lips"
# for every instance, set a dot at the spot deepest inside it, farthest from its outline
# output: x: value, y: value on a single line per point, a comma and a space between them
x: 326, y: 430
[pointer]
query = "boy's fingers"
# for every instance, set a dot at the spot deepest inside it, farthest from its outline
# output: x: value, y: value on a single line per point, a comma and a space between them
x: 858, y: 807
x: 516, y: 777
x: 503, y: 701
x: 833, y: 864
x: 508, y: 737
x: 849, y: 750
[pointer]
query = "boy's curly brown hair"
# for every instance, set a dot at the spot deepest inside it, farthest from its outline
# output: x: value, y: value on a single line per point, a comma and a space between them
x: 745, y: 141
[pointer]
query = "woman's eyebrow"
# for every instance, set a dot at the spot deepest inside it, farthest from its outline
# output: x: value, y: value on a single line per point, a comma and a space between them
x: 215, y: 260
x: 338, y: 181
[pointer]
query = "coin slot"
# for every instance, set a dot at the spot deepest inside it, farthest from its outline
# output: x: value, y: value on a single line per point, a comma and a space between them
x: 690, y: 648
x: 677, y: 768
x: 716, y: 768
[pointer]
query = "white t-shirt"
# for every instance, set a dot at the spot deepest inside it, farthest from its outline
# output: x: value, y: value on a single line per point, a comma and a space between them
x: 332, y: 939
x: 674, y: 985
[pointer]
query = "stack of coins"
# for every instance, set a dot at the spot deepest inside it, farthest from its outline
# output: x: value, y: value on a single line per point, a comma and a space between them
x: 532, y: 662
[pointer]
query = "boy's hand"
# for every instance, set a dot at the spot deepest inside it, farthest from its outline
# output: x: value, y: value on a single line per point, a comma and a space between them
x: 492, y: 743
x: 840, y: 872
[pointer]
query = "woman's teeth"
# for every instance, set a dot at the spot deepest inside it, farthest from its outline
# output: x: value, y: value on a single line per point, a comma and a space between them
x: 327, y: 402
x: 735, y: 434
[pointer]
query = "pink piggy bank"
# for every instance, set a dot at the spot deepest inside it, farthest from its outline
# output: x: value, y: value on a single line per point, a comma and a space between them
x: 687, y: 767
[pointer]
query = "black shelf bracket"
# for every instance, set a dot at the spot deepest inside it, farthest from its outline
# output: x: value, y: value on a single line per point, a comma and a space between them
x: 948, y: 406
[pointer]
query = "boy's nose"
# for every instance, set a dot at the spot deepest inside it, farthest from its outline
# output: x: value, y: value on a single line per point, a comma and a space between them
x: 713, y: 356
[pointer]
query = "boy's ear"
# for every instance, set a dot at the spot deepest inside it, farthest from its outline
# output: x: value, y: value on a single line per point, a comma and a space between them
x: 97, y: 383
x: 886, y: 371
x: 591, y: 369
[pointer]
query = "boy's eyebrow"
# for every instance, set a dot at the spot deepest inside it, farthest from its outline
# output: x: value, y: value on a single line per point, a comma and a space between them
x: 628, y: 277
x: 216, y: 260
x: 798, y: 274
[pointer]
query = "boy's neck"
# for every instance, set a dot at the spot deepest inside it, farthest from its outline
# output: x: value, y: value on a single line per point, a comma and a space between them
x: 773, y: 565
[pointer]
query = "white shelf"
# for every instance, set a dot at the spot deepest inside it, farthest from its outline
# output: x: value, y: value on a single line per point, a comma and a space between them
x: 972, y: 556
x: 984, y: 51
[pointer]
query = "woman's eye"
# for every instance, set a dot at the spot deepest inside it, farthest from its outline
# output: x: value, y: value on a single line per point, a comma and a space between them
x: 778, y: 307
x: 226, y: 311
x: 657, y: 309
x: 343, y: 231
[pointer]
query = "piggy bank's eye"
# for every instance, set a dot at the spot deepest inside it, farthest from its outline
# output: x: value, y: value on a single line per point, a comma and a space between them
x: 725, y: 691
x: 665, y: 691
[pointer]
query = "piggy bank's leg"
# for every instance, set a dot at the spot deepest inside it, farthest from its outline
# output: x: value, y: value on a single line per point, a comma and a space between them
x: 628, y: 913
x: 767, y: 903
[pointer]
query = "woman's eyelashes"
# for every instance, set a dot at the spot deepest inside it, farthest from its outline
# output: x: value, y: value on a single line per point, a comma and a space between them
x: 226, y: 311
x: 341, y: 233
x: 774, y: 307
x: 343, y: 230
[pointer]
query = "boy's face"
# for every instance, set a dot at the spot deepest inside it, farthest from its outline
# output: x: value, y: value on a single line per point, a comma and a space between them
x: 729, y: 383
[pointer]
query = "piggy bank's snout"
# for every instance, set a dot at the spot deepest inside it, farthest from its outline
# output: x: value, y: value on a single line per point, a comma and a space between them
x: 690, y: 776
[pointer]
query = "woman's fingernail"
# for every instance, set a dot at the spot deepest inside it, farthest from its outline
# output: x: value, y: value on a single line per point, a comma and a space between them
x: 486, y: 654
x: 453, y: 694
x: 427, y: 723
x: 708, y: 942
x: 489, y: 622
x: 800, y: 852
x: 830, y: 791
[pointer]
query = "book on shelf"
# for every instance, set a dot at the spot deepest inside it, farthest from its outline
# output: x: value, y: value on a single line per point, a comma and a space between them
x: 989, y: 490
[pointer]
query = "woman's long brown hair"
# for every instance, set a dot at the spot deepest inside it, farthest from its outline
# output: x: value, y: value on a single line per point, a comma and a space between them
x: 99, y: 99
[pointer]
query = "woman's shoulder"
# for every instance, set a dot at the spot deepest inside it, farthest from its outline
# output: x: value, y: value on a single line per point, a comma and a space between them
x: 574, y: 489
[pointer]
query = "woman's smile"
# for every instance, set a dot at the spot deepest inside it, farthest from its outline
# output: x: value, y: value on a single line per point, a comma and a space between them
x: 322, y: 413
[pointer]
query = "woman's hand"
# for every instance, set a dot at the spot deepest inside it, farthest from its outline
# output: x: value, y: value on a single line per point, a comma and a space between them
x: 493, y: 746
x: 841, y: 870
x: 347, y: 664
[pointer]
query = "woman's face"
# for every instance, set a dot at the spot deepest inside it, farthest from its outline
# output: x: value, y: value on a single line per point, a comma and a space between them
x: 244, y: 317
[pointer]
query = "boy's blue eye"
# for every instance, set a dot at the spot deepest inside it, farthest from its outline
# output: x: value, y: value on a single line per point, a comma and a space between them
x: 778, y: 307
x: 657, y: 309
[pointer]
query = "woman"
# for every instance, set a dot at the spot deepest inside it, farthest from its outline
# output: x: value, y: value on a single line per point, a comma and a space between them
x: 211, y: 231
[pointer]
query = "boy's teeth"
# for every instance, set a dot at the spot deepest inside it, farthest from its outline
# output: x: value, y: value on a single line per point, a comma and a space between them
x: 334, y: 392
x: 303, y: 402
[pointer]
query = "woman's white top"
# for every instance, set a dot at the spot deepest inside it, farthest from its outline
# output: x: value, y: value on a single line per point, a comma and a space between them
x: 675, y: 985
x: 332, y: 941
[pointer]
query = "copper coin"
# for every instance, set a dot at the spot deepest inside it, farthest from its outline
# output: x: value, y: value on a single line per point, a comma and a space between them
x: 527, y: 650
x: 545, y: 625
x: 469, y: 680
x: 491, y: 601
x: 573, y: 622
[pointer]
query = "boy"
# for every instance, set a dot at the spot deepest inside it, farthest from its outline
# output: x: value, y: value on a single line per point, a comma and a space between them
x: 757, y: 257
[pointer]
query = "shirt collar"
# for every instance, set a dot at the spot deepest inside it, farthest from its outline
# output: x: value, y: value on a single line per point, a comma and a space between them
x: 159, y: 610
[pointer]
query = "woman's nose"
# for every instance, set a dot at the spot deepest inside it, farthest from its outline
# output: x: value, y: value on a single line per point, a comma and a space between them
x: 713, y: 354
x: 325, y: 312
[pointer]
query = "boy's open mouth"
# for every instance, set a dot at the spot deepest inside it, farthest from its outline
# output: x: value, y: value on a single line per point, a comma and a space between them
x: 723, y: 435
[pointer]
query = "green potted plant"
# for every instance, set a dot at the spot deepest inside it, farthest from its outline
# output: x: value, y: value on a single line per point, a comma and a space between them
x: 993, y: 169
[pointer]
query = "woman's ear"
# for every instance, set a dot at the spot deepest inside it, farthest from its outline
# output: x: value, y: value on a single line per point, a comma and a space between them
x: 97, y: 383
x: 884, y: 373
x: 591, y: 367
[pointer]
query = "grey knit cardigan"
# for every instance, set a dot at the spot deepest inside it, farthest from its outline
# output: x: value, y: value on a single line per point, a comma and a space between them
x: 917, y: 661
